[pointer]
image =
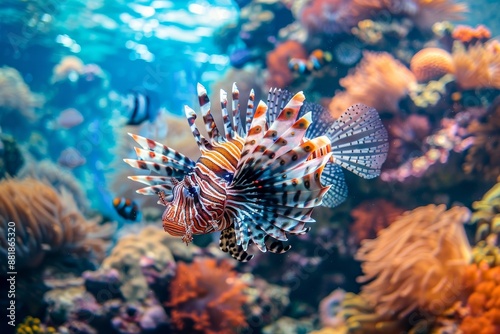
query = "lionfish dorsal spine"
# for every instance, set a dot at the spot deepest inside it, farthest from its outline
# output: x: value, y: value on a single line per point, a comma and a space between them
x: 191, y: 118
x: 235, y: 104
x: 208, y: 119
x: 249, y: 114
x: 228, y: 128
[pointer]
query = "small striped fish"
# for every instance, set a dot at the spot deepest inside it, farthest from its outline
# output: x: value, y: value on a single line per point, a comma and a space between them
x: 260, y: 180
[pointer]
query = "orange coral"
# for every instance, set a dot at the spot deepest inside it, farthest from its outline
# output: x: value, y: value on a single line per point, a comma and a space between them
x: 418, y: 262
x: 468, y: 34
x: 372, y: 216
x: 46, y: 223
x: 379, y: 81
x: 279, y: 74
x: 484, y: 303
x: 477, y: 66
x: 431, y: 63
x: 207, y: 297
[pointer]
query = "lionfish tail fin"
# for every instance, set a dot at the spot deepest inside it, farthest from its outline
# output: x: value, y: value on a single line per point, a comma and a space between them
x: 359, y: 141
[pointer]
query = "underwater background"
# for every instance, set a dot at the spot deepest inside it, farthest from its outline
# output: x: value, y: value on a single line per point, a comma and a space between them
x: 414, y: 250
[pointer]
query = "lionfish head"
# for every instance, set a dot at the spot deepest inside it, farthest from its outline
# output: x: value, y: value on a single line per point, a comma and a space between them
x: 178, y: 215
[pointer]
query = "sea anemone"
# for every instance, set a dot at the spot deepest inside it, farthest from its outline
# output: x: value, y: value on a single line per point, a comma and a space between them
x: 46, y: 222
x: 431, y: 63
x: 477, y: 66
x: 379, y: 81
x: 279, y: 75
x: 207, y: 297
x: 418, y: 262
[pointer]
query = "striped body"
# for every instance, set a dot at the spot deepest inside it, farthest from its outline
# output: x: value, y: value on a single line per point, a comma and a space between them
x: 260, y: 180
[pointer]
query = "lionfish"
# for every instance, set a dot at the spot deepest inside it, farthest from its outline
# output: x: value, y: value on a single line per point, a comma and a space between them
x: 260, y: 180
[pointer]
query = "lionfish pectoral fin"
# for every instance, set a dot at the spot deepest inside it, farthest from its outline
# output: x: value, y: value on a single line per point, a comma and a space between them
x: 359, y: 141
x: 227, y: 244
x: 333, y: 174
x: 276, y: 246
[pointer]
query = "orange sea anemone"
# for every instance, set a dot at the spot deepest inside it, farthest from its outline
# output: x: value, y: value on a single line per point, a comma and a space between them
x: 207, y: 297
x: 46, y: 223
x: 379, y: 81
x: 418, y: 262
x: 279, y: 75
x: 468, y: 34
x: 477, y: 66
x: 431, y: 63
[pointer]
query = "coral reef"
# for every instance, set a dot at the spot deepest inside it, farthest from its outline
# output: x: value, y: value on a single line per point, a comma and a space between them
x: 477, y: 66
x: 379, y: 81
x: 17, y: 102
x: 32, y: 325
x: 133, y: 255
x: 370, y: 217
x: 431, y: 63
x: 469, y: 35
x: 417, y: 262
x: 50, y: 173
x: 486, y: 215
x: 69, y: 68
x: 483, y: 310
x: 47, y: 223
x: 11, y: 158
x: 484, y: 155
x: 279, y: 75
x: 207, y: 297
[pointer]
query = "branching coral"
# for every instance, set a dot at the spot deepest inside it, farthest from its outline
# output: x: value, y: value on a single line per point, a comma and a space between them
x: 279, y: 75
x: 469, y: 35
x: 129, y: 255
x: 370, y: 217
x: 484, y: 156
x: 16, y: 99
x: 207, y: 297
x: 379, y: 81
x: 46, y: 223
x: 477, y: 66
x: 431, y: 63
x: 483, y: 304
x: 418, y: 262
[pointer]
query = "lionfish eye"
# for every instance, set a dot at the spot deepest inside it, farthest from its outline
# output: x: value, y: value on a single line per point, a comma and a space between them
x: 190, y: 191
